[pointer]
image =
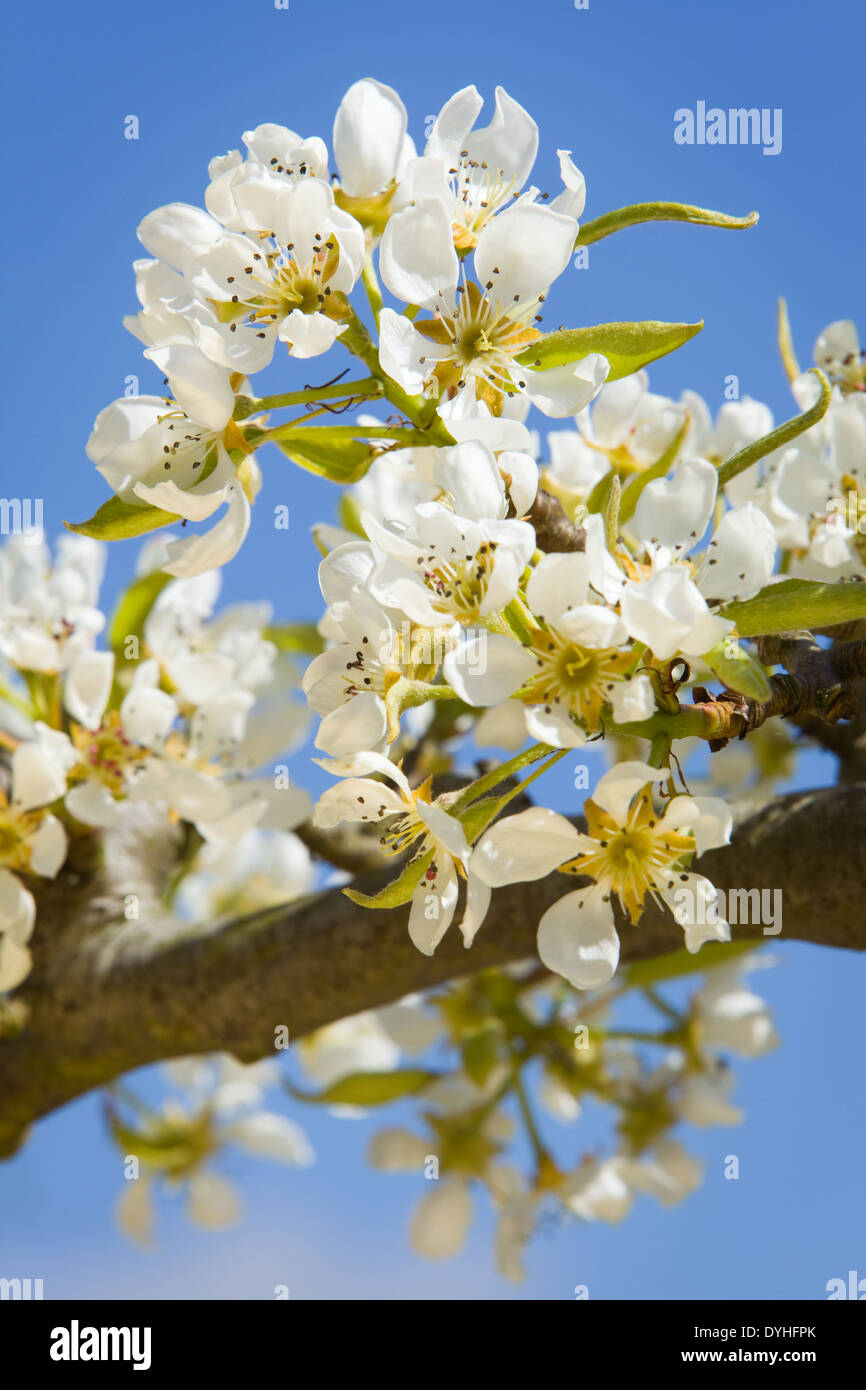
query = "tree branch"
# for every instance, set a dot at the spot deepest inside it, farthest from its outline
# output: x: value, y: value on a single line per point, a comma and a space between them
x: 107, y: 995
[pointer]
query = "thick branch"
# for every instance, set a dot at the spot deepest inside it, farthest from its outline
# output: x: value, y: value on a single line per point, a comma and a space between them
x: 553, y: 530
x: 108, y: 995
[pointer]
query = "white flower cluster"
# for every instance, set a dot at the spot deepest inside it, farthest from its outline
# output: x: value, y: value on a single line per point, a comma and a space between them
x: 446, y: 581
x: 176, y: 1146
x: 185, y: 715
x: 470, y: 1127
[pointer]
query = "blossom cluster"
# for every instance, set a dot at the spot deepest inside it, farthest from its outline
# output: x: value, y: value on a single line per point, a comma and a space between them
x: 442, y: 582
x: 185, y: 715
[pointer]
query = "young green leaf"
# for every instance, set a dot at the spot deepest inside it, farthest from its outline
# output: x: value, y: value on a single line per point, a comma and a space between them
x: 369, y: 1087
x: 117, y: 521
x: 798, y: 603
x: 627, y: 346
x: 738, y: 669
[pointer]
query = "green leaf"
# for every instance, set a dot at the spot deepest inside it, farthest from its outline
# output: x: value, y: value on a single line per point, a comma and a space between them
x: 738, y: 669
x: 295, y: 637
x: 133, y: 608
x: 369, y: 1087
x: 117, y: 521
x: 399, y: 891
x: 627, y: 346
x: 480, y: 1050
x: 798, y: 603
x: 677, y: 964
x: 330, y: 452
x: 636, y: 213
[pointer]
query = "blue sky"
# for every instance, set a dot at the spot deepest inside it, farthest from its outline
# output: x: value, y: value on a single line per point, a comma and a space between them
x: 604, y: 82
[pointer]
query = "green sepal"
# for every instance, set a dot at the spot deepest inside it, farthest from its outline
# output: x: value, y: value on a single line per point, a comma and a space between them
x: 400, y: 890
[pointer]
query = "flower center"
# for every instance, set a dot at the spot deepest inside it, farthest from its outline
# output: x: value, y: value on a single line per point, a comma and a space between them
x: 16, y: 827
x: 461, y: 583
x: 482, y: 338
x: 107, y: 754
x: 479, y: 193
x: 277, y: 281
x: 573, y: 676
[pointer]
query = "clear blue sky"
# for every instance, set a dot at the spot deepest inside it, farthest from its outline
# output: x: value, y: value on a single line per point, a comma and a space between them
x: 605, y: 83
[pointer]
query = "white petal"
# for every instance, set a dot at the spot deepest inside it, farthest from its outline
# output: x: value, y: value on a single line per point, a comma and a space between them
x: 38, y: 774
x: 617, y: 788
x: 211, y: 1201
x: 563, y: 391
x: 309, y: 334
x: 741, y: 556
x: 201, y: 387
x: 147, y: 715
x: 632, y: 700
x: 417, y: 260
x: 445, y: 829
x: 573, y: 199
x: 358, y: 724
x: 268, y: 1135
x: 487, y: 667
x: 676, y: 511
x: 502, y: 726
x: 397, y: 1151
x: 17, y: 911
x: 197, y: 554
x: 669, y: 613
x: 523, y: 250
x: 478, y: 895
x: 577, y: 939
x: 15, y: 963
x: 369, y: 138
x: 433, y: 906
x: 547, y: 725
x: 593, y: 625
x: 92, y: 804
x: 557, y: 583
x: 48, y: 847
x: 441, y: 1220
x: 88, y: 686
x: 178, y: 233
x: 527, y: 846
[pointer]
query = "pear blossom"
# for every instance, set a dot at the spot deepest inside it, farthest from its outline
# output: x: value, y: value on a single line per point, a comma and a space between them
x: 629, y: 850
x: 280, y: 282
x: 440, y: 851
x: 273, y: 153
x: 665, y: 604
x: 260, y: 870
x: 448, y: 567
x: 838, y: 352
x: 574, y: 657
x: 475, y: 334
x: 730, y: 1017
x: 441, y: 1220
x: 348, y: 684
x: 32, y: 842
x: 371, y: 143
x: 48, y: 611
x: 478, y: 171
x: 220, y: 1110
